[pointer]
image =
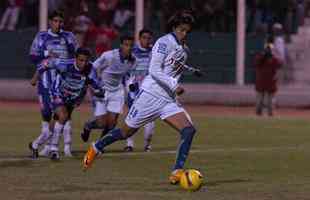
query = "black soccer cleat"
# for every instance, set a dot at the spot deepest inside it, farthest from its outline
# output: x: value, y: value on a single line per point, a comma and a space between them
x: 128, y: 149
x: 85, y: 134
x: 34, y: 152
x: 54, y: 156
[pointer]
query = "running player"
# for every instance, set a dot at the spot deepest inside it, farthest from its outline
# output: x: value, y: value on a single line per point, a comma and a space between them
x: 48, y: 45
x: 142, y: 52
x: 69, y: 90
x: 111, y: 68
x: 158, y: 96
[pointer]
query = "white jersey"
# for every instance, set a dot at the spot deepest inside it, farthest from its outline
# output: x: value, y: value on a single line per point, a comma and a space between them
x: 111, y: 68
x: 164, y: 74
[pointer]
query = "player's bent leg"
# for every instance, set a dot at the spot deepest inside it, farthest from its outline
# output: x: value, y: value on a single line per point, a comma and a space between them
x: 46, y: 114
x: 148, y: 134
x: 100, y: 111
x: 96, y: 123
x: 67, y: 132
x: 181, y: 122
x: 62, y: 114
x: 110, y: 123
x: 129, y: 144
x: 111, y: 137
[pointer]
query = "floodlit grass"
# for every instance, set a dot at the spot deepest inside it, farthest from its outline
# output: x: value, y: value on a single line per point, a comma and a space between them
x: 240, y: 158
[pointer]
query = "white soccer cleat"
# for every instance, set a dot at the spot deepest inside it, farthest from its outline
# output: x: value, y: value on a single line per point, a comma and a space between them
x: 54, y: 155
x: 45, y: 152
x: 68, y: 154
x: 67, y: 151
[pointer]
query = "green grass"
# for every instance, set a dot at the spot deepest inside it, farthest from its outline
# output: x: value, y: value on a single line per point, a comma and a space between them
x: 240, y: 158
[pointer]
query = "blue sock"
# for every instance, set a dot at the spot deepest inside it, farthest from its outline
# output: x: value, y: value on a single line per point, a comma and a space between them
x: 187, y: 135
x: 111, y: 137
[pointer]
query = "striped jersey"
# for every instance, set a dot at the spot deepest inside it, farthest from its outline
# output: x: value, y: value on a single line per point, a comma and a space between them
x: 143, y: 58
x: 63, y: 45
x: 71, y: 83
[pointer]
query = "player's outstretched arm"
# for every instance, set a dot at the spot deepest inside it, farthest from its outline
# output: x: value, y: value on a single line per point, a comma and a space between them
x: 35, y: 78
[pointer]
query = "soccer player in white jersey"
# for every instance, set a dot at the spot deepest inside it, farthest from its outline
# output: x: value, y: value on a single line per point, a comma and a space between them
x: 54, y: 43
x: 157, y: 99
x: 142, y: 52
x: 110, y: 69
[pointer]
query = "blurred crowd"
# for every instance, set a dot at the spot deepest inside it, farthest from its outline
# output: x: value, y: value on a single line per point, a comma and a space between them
x: 98, y: 22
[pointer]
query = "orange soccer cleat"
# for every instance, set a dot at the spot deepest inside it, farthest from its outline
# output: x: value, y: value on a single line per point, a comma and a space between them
x: 175, y: 176
x: 89, y: 157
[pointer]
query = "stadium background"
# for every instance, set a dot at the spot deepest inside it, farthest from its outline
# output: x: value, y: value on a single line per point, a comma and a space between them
x: 240, y: 155
x: 212, y: 42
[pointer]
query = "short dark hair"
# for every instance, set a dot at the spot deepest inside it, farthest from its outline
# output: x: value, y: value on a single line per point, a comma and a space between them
x: 181, y: 17
x: 56, y: 13
x: 145, y: 31
x: 82, y: 51
x: 126, y: 37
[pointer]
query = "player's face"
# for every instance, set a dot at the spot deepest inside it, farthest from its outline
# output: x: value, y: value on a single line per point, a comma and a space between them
x: 145, y: 40
x: 126, y: 47
x: 181, y: 31
x: 81, y: 61
x: 56, y: 23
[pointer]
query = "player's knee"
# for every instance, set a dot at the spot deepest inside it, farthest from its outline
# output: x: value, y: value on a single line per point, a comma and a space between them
x: 67, y: 128
x: 101, y: 122
x: 62, y: 118
x: 188, y: 131
x: 46, y: 115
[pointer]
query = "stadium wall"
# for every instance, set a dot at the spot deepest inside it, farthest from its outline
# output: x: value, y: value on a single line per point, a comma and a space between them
x: 203, y: 94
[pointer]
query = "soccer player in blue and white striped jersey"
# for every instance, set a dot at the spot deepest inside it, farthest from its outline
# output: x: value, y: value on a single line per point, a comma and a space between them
x: 142, y: 52
x: 54, y: 43
x: 69, y: 90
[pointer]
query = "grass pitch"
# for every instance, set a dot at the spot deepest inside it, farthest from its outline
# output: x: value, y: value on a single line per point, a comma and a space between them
x: 240, y: 158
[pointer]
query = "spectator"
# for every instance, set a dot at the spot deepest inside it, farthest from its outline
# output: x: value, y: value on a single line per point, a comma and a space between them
x: 82, y: 22
x: 279, y: 42
x: 300, y: 12
x: 100, y: 38
x: 107, y: 8
x: 166, y: 9
x: 31, y: 12
x: 266, y: 67
x: 11, y: 14
x: 81, y: 25
x: 121, y: 16
x: 53, y: 5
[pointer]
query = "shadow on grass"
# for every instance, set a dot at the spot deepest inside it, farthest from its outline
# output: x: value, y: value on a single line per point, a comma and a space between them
x: 16, y: 163
x: 221, y: 182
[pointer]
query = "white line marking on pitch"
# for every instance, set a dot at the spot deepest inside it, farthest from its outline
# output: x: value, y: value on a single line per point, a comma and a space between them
x: 112, y: 154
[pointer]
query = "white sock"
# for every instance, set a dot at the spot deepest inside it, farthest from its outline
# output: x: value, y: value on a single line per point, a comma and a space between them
x: 67, y: 131
x: 56, y: 135
x: 67, y: 148
x: 43, y: 137
x: 148, y: 133
x: 130, y: 142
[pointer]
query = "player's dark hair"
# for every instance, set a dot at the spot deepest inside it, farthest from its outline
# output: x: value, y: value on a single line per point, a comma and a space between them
x: 181, y: 17
x: 126, y: 37
x: 82, y: 51
x: 56, y: 13
x: 145, y: 31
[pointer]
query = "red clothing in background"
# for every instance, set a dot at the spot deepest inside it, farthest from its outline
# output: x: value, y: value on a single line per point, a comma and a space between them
x: 266, y: 71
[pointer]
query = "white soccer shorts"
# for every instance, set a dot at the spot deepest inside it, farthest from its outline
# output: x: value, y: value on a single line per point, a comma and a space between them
x: 112, y: 102
x: 147, y: 108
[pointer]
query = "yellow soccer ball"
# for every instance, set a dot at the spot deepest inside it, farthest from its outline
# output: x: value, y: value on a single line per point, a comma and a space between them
x: 191, y: 180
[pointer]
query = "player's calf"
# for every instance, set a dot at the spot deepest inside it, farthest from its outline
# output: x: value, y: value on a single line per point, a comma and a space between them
x: 34, y: 152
